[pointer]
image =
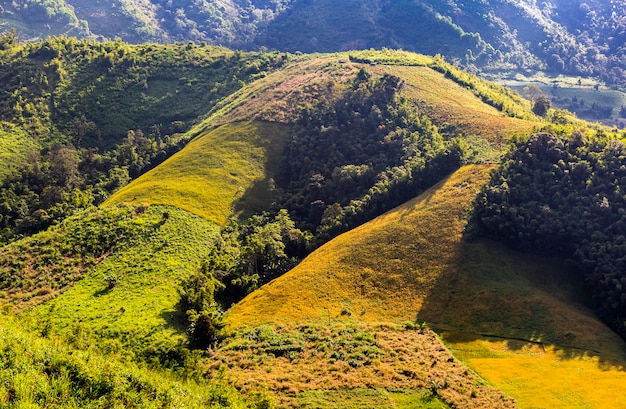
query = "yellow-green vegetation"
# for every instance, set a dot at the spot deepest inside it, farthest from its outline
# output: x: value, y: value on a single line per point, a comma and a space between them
x: 131, y: 295
x: 455, y: 108
x: 495, y: 307
x: 220, y: 172
x: 36, y: 372
x: 390, y: 57
x: 15, y: 144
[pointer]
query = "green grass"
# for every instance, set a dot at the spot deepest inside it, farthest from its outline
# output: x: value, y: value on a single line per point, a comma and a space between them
x: 15, y: 144
x: 141, y: 311
x: 37, y: 372
x: 219, y: 173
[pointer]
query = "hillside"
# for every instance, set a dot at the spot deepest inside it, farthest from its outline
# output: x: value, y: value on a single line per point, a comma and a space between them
x: 212, y: 174
x: 577, y: 38
x: 83, y: 118
x: 359, y: 158
x: 493, y: 307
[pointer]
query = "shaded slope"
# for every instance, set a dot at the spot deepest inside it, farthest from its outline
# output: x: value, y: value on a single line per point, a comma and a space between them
x: 497, y: 308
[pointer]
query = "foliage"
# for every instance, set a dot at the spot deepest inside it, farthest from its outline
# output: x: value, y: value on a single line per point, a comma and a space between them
x: 541, y: 105
x: 42, y: 373
x: 562, y: 196
x: 245, y: 257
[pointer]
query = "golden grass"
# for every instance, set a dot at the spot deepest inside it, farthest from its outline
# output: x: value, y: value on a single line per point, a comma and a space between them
x: 214, y: 174
x: 449, y: 104
x: 546, y: 377
x: 514, y: 318
x: 380, y: 271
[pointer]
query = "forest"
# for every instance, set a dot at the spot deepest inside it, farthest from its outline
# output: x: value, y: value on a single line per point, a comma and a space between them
x: 563, y: 195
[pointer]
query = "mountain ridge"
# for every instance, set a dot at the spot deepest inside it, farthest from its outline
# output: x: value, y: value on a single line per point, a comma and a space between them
x: 584, y: 38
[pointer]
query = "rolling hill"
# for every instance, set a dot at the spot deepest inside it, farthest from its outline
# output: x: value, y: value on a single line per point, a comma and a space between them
x: 388, y: 148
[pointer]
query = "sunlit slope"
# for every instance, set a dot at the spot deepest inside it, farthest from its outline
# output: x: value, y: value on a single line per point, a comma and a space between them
x: 141, y: 309
x: 516, y: 319
x: 220, y: 171
x: 455, y: 108
x: 381, y: 271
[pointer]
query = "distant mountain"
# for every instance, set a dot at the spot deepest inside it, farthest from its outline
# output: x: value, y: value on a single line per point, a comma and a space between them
x: 579, y: 37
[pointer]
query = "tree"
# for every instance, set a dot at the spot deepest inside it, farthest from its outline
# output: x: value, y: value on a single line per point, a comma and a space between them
x: 542, y: 105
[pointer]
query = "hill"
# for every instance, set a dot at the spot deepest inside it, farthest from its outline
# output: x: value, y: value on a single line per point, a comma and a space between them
x: 493, y: 307
x: 577, y: 38
x: 83, y: 118
x: 312, y: 147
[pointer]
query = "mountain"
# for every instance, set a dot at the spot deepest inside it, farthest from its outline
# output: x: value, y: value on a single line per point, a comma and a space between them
x: 580, y: 38
x: 288, y: 230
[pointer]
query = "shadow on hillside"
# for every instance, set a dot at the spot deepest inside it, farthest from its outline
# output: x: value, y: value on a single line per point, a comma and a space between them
x: 176, y: 318
x: 489, y: 292
x: 256, y: 199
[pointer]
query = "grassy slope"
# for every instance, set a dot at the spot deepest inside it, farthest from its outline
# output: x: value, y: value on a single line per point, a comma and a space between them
x: 450, y: 105
x: 36, y: 372
x: 213, y: 172
x: 15, y: 144
x: 140, y: 311
x: 510, y: 316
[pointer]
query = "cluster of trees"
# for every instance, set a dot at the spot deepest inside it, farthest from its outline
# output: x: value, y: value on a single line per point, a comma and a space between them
x: 565, y: 196
x: 357, y: 153
x: 245, y: 256
x: 62, y: 179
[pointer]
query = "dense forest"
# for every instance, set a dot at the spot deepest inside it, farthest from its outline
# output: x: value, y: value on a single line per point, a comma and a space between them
x: 563, y: 195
